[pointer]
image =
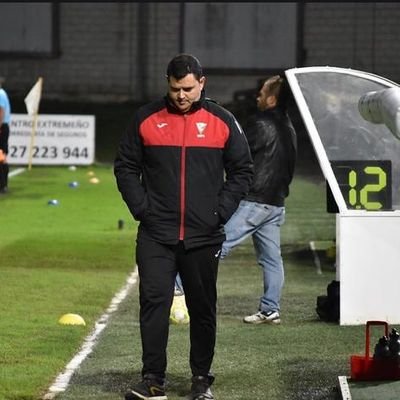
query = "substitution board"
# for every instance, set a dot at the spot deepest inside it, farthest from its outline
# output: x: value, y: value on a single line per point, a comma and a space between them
x: 353, y: 120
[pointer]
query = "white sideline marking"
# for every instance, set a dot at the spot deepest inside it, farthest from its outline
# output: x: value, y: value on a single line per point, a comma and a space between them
x: 344, y: 387
x: 317, y: 261
x: 16, y: 172
x: 61, y: 382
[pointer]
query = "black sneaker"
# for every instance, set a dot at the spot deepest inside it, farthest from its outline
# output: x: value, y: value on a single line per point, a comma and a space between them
x: 150, y: 388
x: 200, y: 389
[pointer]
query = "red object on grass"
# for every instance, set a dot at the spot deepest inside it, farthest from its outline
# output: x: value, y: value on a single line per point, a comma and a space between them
x: 366, y: 368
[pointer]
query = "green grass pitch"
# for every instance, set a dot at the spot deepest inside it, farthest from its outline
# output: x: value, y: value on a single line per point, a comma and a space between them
x: 73, y: 258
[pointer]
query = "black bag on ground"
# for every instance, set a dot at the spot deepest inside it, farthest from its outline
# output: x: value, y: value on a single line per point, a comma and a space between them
x: 328, y: 307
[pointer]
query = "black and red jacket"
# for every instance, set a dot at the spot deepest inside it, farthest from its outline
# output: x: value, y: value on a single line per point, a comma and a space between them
x: 183, y: 175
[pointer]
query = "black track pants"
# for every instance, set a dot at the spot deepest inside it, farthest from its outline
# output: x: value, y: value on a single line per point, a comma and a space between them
x: 4, y: 169
x: 158, y: 265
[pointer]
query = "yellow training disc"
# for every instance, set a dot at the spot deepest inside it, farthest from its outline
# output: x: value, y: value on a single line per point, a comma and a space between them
x: 71, y: 319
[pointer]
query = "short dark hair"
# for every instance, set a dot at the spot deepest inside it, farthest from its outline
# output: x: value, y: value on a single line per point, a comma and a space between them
x: 274, y: 85
x: 184, y: 64
x: 279, y: 87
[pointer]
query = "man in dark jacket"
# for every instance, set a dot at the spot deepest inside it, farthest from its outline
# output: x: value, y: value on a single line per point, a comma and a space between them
x: 182, y: 168
x: 261, y: 213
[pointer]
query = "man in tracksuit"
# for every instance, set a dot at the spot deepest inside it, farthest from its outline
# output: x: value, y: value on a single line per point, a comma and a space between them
x: 182, y: 168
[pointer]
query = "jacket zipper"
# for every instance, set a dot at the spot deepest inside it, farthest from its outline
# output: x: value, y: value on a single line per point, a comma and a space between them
x: 183, y: 188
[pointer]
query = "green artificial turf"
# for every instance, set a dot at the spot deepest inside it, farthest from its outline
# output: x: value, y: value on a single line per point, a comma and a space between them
x: 68, y: 258
x: 73, y: 258
x: 300, y: 359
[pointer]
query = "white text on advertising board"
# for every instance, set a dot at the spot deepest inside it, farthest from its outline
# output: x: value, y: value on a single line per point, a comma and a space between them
x: 58, y: 140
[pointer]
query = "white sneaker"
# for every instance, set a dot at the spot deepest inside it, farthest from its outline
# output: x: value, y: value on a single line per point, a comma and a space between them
x: 178, y: 292
x: 261, y: 317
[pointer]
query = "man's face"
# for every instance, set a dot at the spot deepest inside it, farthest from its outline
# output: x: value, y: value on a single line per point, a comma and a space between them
x: 184, y: 92
x: 265, y: 99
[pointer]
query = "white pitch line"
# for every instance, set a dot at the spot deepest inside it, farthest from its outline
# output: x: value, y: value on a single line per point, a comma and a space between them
x: 317, y: 261
x: 16, y: 172
x: 61, y: 382
x: 344, y: 388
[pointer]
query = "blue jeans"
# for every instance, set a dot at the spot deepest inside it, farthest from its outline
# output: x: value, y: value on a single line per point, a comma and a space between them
x: 262, y: 222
